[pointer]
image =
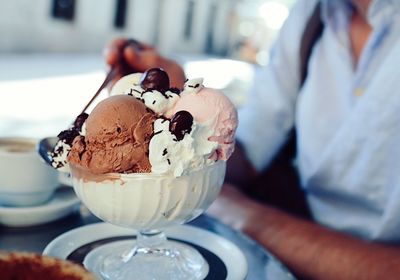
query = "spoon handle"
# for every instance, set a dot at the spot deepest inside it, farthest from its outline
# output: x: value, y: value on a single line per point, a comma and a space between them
x: 110, y: 76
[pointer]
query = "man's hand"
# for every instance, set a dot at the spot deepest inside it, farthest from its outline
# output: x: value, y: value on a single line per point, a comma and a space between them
x: 130, y: 56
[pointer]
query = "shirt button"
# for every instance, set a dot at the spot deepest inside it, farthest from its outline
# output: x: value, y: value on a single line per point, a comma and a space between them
x: 358, y: 92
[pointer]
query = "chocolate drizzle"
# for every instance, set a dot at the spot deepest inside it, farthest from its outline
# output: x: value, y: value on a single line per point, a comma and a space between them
x: 68, y: 136
x: 80, y: 120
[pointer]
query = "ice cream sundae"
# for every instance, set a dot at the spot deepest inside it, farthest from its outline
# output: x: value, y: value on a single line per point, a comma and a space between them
x: 147, y: 157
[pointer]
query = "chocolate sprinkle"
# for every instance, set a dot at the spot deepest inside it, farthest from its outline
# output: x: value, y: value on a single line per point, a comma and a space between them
x: 165, y: 152
x: 175, y: 90
x: 134, y: 90
x: 169, y: 162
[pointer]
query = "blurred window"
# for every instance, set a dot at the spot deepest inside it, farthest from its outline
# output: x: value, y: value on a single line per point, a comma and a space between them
x: 189, y: 20
x: 120, y: 13
x: 63, y: 9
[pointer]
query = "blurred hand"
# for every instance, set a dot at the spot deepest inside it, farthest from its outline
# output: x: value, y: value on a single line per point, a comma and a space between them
x: 130, y: 56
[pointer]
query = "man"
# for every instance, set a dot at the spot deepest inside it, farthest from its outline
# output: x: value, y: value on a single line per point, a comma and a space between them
x: 348, y: 129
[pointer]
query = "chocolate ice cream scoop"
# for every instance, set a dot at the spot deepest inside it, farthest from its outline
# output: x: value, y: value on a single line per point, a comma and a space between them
x: 118, y: 131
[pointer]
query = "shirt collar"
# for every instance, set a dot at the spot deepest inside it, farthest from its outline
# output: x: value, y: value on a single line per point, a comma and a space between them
x: 382, y: 11
x: 336, y: 13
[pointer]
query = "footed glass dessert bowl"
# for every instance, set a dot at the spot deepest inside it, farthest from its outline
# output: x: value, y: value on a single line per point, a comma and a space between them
x: 148, y: 203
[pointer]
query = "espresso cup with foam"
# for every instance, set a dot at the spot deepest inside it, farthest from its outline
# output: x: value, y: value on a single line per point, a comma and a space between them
x: 25, y: 180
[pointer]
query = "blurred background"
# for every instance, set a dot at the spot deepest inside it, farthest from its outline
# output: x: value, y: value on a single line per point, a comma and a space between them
x: 51, y: 59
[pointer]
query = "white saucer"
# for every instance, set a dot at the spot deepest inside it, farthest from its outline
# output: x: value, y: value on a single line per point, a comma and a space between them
x: 63, y: 202
x: 228, y: 253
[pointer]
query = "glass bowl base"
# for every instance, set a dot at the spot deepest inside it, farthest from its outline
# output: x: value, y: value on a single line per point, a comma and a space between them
x: 117, y: 261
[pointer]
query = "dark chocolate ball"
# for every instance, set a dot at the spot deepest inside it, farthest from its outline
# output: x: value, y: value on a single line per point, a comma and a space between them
x: 155, y: 79
x: 181, y: 123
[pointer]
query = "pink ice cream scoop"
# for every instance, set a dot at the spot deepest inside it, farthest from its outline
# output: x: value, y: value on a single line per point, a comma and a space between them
x: 212, y: 107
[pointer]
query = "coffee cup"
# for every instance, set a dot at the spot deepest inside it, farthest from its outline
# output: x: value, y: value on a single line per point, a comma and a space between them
x: 25, y: 180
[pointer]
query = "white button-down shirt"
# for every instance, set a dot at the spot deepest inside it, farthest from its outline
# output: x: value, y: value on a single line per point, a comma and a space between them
x: 347, y: 117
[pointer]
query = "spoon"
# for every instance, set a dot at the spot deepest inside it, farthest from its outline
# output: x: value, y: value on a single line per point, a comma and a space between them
x: 46, y: 145
x: 110, y: 76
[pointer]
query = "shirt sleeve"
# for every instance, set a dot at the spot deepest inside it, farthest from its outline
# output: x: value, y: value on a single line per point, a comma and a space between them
x: 268, y: 115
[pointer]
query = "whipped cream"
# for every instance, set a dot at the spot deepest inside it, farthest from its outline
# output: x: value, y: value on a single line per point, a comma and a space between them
x: 159, y: 102
x: 169, y: 155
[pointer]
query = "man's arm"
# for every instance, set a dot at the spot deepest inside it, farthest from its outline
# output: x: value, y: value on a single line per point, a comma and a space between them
x: 309, y: 250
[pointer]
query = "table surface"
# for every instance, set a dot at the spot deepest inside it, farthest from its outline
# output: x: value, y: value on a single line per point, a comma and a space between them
x: 261, y: 264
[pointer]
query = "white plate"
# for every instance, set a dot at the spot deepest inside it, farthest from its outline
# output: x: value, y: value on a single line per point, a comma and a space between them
x: 63, y: 202
x: 226, y: 251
